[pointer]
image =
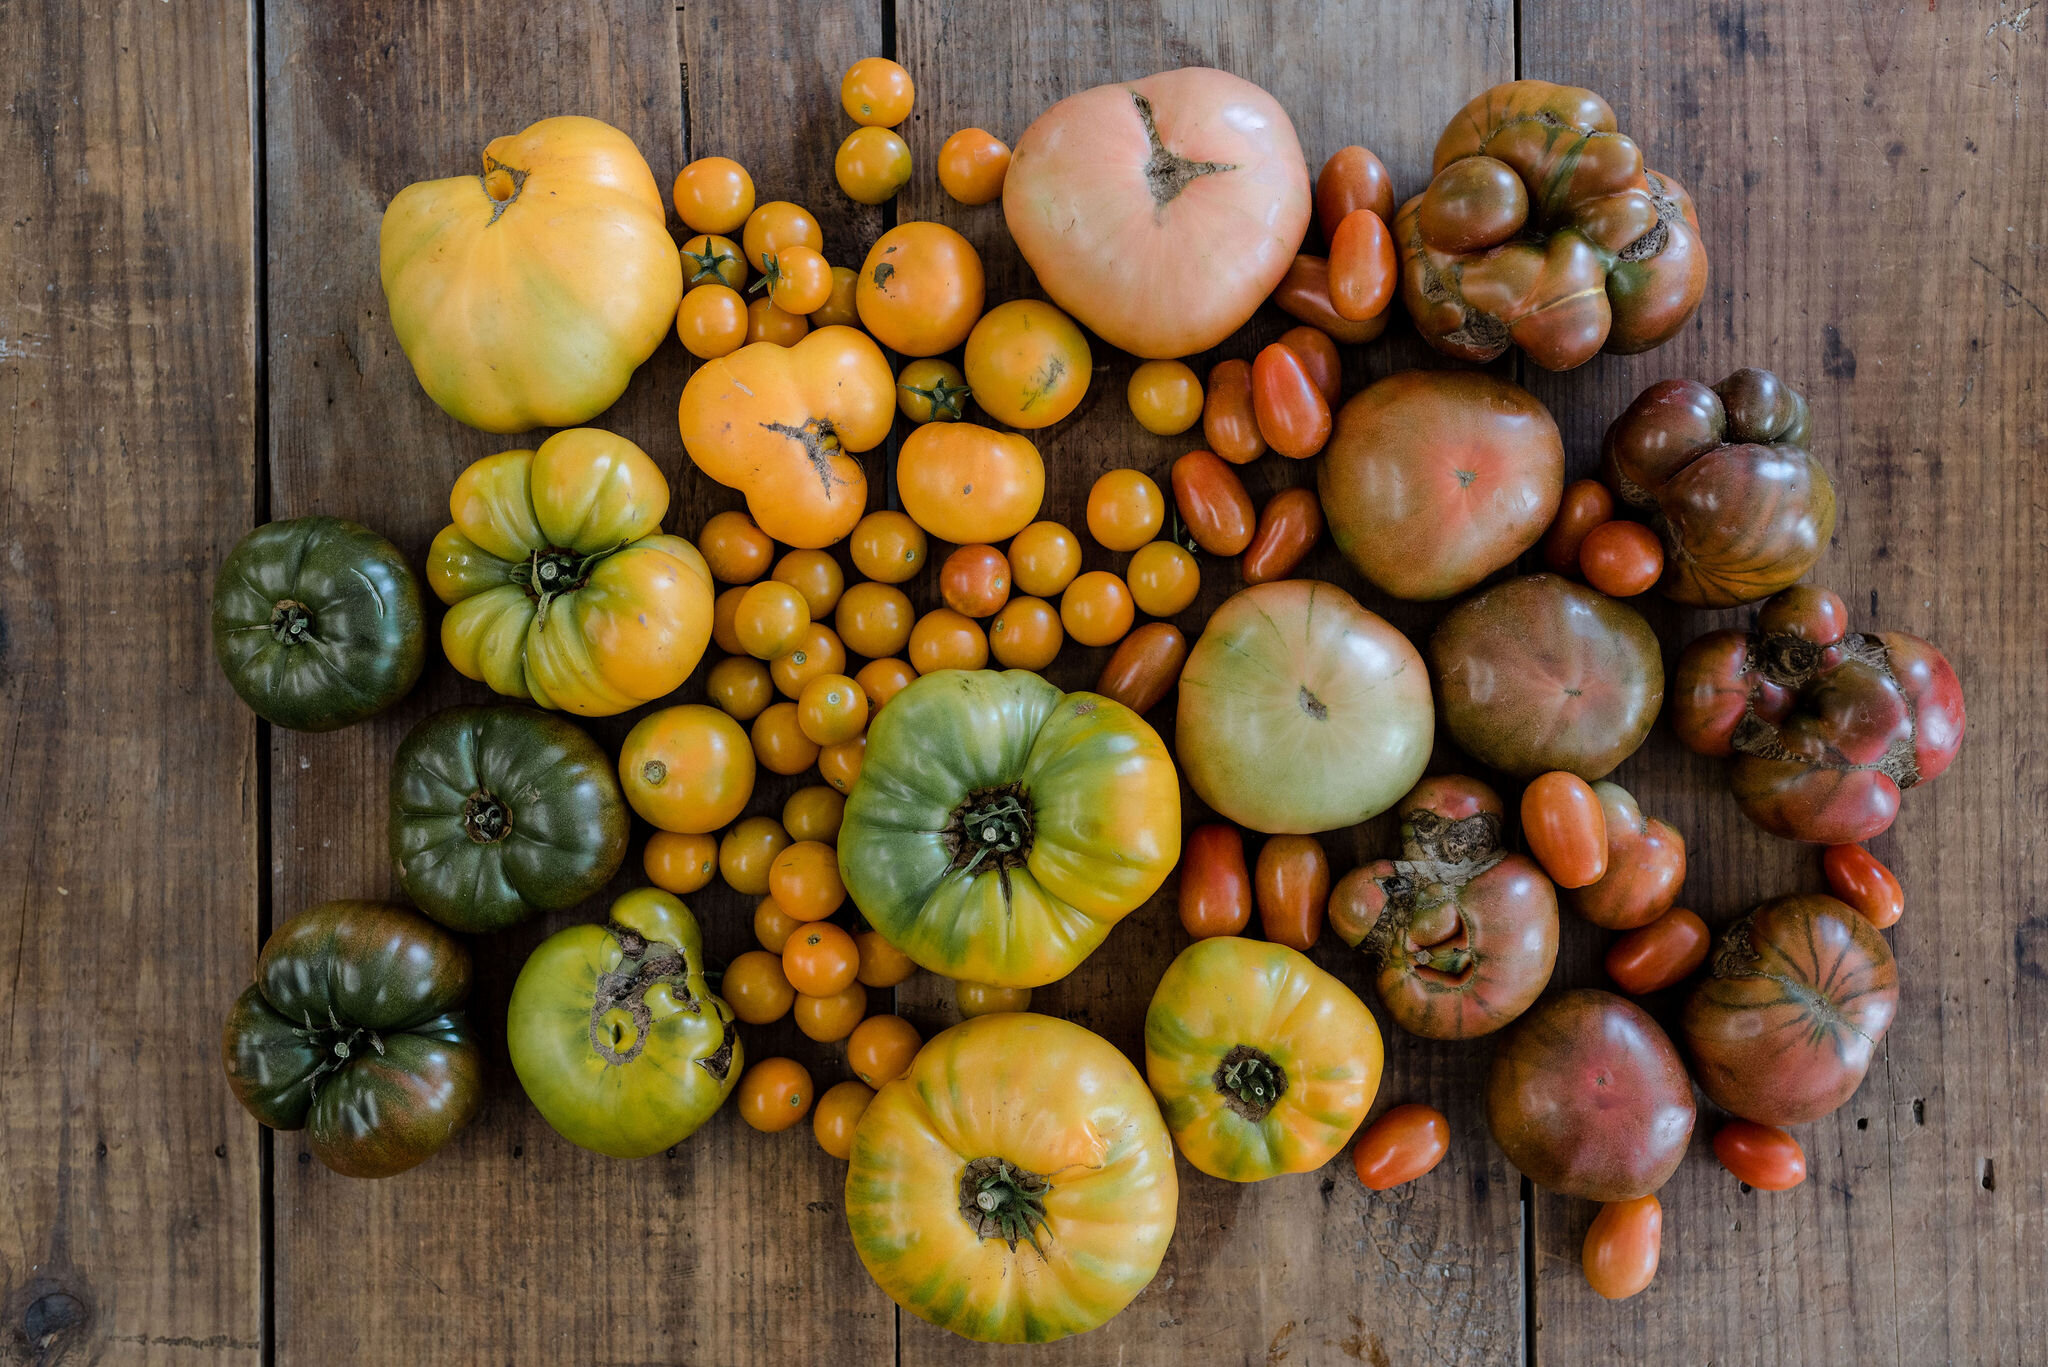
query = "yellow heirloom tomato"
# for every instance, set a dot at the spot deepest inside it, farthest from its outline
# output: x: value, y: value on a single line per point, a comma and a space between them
x: 561, y: 586
x: 1016, y: 1186
x: 1262, y: 1062
x: 526, y: 295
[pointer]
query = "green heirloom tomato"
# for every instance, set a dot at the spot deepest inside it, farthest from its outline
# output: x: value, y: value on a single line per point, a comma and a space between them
x: 1000, y: 827
x: 615, y: 1035
x: 316, y: 623
x: 353, y: 1031
x: 499, y: 812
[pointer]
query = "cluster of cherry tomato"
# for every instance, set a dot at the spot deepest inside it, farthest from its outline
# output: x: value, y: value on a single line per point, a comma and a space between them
x: 1619, y: 557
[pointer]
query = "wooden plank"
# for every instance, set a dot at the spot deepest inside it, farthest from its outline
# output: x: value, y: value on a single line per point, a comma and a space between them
x: 130, y: 1216
x: 1871, y: 187
x: 1310, y: 1268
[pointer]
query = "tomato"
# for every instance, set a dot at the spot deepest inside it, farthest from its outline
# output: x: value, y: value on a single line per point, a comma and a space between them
x: 775, y: 225
x: 881, y: 1048
x: 813, y: 813
x: 1303, y: 294
x: 687, y: 769
x: 986, y: 999
x: 839, y: 309
x: 839, y: 765
x: 1318, y: 356
x: 1587, y: 1097
x: 972, y: 164
x: 712, y: 321
x: 815, y: 575
x: 945, y: 639
x: 1566, y: 828
x: 1230, y: 422
x: 784, y: 424
x: 798, y: 281
x: 1215, y: 895
x: 1760, y: 1156
x: 771, y: 620
x: 740, y: 685
x: 838, y: 1115
x: 773, y: 926
x: 1145, y: 667
x: 1288, y: 528
x: 1299, y: 670
x: 931, y: 390
x: 881, y: 963
x: 1097, y: 609
x: 1292, y: 414
x: 826, y: 1019
x: 1001, y: 828
x: 1622, y: 1247
x: 883, y: 679
x: 874, y: 619
x: 775, y: 1094
x: 831, y: 709
x: 965, y: 483
x: 1363, y: 267
x: 1585, y: 504
x: 709, y: 259
x: 725, y: 616
x: 331, y: 984
x: 888, y: 547
x: 1044, y: 558
x: 1163, y: 578
x: 525, y: 297
x: 1661, y: 954
x: 756, y: 988
x: 872, y: 164
x: 1645, y: 866
x: 920, y: 289
x: 1027, y: 363
x: 876, y: 93
x: 1016, y: 1185
x: 679, y: 863
x: 618, y: 1040
x: 819, y: 959
x: 1855, y: 875
x: 1125, y: 510
x: 1026, y: 634
x: 975, y: 580
x: 804, y: 881
x: 1292, y: 883
x: 1213, y: 503
x: 1160, y: 212
x: 820, y: 652
x: 1165, y: 397
x: 746, y: 851
x: 774, y: 326
x: 714, y: 195
x: 1402, y: 1145
x: 1621, y: 559
x: 734, y: 549
x: 1352, y: 179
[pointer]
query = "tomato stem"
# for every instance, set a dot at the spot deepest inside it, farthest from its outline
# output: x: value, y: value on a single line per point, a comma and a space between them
x: 1250, y: 1081
x: 1000, y: 1199
x: 485, y: 819
x: 555, y: 570
x: 291, y: 622
x: 994, y: 824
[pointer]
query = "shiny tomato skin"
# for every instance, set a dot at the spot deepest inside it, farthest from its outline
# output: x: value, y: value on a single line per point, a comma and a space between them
x: 1292, y: 413
x: 714, y: 195
x: 776, y: 326
x: 774, y: 1094
x: 1645, y: 865
x: 1145, y: 666
x: 1028, y: 364
x: 1855, y: 875
x: 1585, y: 504
x: 1318, y: 355
x: 1230, y: 422
x: 1622, y: 1247
x: 775, y: 225
x: 1215, y: 885
x: 888, y: 547
x: 1097, y: 609
x: 1292, y: 883
x: 1402, y: 1145
x: 1164, y: 578
x: 972, y: 164
x: 1026, y: 634
x: 1352, y: 179
x: 737, y: 551
x: 921, y: 289
x: 1165, y: 397
x: 945, y: 639
x: 838, y: 1114
x: 1125, y: 510
x: 1289, y: 526
x: 876, y: 92
x: 1566, y: 829
x: 711, y: 322
x: 1659, y: 955
x: 872, y: 164
x: 827, y: 1019
x: 1304, y: 295
x: 975, y: 581
x: 1044, y: 558
x: 1761, y: 1156
x: 1213, y: 504
x: 1363, y: 267
x: 1621, y: 559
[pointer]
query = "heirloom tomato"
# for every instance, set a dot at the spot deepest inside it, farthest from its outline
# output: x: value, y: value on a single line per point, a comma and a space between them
x: 930, y: 390
x: 1146, y: 665
x: 1212, y: 503
x: 1230, y: 421
x: 1565, y: 828
x: 945, y: 639
x: 1304, y: 295
x: 1097, y: 609
x: 1586, y: 504
x: 872, y: 164
x: 1761, y: 1156
x: 1318, y: 356
x: 1855, y: 875
x: 1352, y: 179
x: 1027, y: 363
x: 1661, y: 954
x: 1289, y: 526
x: 679, y: 863
x: 888, y: 547
x: 1215, y: 886
x: 1622, y: 1246
x: 1163, y: 578
x: 975, y: 580
x: 1027, y: 634
x: 966, y: 483
x: 920, y: 289
x: 1645, y: 866
x: 687, y: 769
x: 1165, y: 397
x: 714, y: 195
x: 1293, y: 886
x: 876, y: 93
x: 972, y: 164
x: 1044, y: 558
x: 1292, y: 413
x: 1402, y: 1145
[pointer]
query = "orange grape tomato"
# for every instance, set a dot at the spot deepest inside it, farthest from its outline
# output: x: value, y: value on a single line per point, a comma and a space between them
x: 1621, y: 559
x: 1146, y: 665
x: 1230, y: 423
x: 1303, y: 294
x: 773, y: 926
x: 838, y: 1116
x: 1044, y: 558
x: 1363, y: 268
x: 880, y: 1049
x: 945, y: 639
x: 1215, y: 886
x: 780, y: 744
x: 756, y: 988
x: 1763, y: 1156
x: 679, y: 863
x: 714, y: 195
x: 883, y: 679
x: 778, y: 224
x: 819, y: 652
x: 832, y: 708
x: 1855, y: 875
x: 709, y: 259
x: 767, y: 323
x: 1586, y: 504
x: 1292, y: 414
x: 839, y: 765
x: 1352, y: 179
x: 814, y: 813
x: 972, y: 165
x: 975, y: 581
x: 771, y: 620
x: 740, y: 685
x: 1096, y: 609
x: 1318, y: 356
x: 1659, y: 955
x: 798, y: 280
x: 1026, y: 634
x: 747, y: 850
x: 838, y: 309
x: 1402, y: 1145
x: 815, y: 575
x: 687, y: 768
x: 1622, y: 1247
x: 887, y: 547
x: 1163, y: 578
x: 803, y: 879
x: 826, y: 1019
x: 876, y: 93
x: 1217, y: 511
x: 1028, y: 363
x: 775, y: 1094
x: 1165, y: 397
x: 874, y: 619
x: 820, y: 958
x: 881, y: 963
x: 921, y: 289
x: 1289, y: 526
x: 931, y: 390
x: 872, y: 164
x: 1566, y: 828
x: 986, y: 999
x: 1292, y: 885
x: 737, y: 551
x: 725, y: 616
x: 711, y: 322
x: 1125, y: 510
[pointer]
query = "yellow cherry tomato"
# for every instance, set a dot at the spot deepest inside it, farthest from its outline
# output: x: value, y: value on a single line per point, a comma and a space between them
x: 1165, y: 397
x: 814, y: 813
x: 1044, y: 558
x: 714, y: 195
x: 804, y: 881
x: 1027, y: 363
x: 711, y: 322
x: 931, y: 390
x: 680, y: 864
x: 687, y: 769
x: 820, y: 652
x: 880, y: 1049
x: 839, y: 310
x: 797, y: 279
x: 814, y: 574
x: 883, y: 679
x: 1125, y: 510
x: 774, y: 1094
x: 778, y: 224
x: 773, y: 926
x: 887, y: 547
x: 740, y: 686
x: 986, y: 999
x: 920, y: 289
x: 874, y: 619
x: 1096, y: 609
x: 820, y: 959
x: 1026, y: 634
x: 747, y: 850
x: 826, y: 1019
x: 756, y: 988
x: 838, y: 1115
x: 881, y: 963
x: 709, y: 259
x: 972, y: 165
x: 872, y: 164
x: 770, y: 620
x: 945, y: 639
x: 780, y: 744
x: 839, y: 765
x: 876, y: 93
x: 737, y: 551
x: 1163, y: 578
x: 725, y: 620
x: 767, y: 323
x: 831, y: 709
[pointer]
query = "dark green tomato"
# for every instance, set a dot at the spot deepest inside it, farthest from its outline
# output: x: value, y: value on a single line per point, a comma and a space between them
x: 353, y: 1031
x: 316, y: 623
x: 499, y: 812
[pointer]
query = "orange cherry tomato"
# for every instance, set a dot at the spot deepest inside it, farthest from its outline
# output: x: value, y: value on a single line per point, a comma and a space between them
x: 1352, y: 179
x: 712, y: 321
x: 966, y: 483
x: 920, y: 289
x: 876, y: 93
x: 838, y: 309
x: 756, y: 988
x: 767, y: 323
x: 778, y: 224
x: 1303, y: 294
x: 975, y: 581
x: 773, y: 926
x: 986, y: 999
x: 1125, y: 510
x: 1318, y: 356
x: 680, y: 863
x: 1230, y: 422
x: 945, y: 639
x: 815, y: 575
x: 1622, y: 1247
x: 735, y: 550
x: 1855, y: 875
x: 774, y: 1094
x: 819, y: 959
x: 1656, y: 956
x: 798, y: 281
x: 819, y: 652
x: 1213, y: 504
x: 1621, y: 559
x: 883, y: 679
x: 1292, y: 413
x: 1402, y: 1145
x: 1096, y: 609
x: 831, y: 1018
x: 1215, y: 886
x: 747, y: 850
x: 1163, y: 578
x: 931, y: 390
x: 831, y: 709
x: 1362, y: 266
x: 1026, y: 634
x: 1165, y: 397
x: 880, y: 1049
x: 1028, y: 363
x: 709, y: 259
x: 839, y: 765
x: 881, y: 963
x: 1145, y: 666
x: 1586, y: 504
x: 813, y: 813
x: 887, y: 547
x: 874, y: 619
x: 803, y: 878
x: 872, y: 164
x: 1761, y: 1156
x: 1566, y: 828
x: 972, y: 165
x: 771, y: 620
x: 740, y: 685
x: 1292, y: 884
x: 725, y: 617
x: 838, y: 1116
x: 687, y: 768
x: 1289, y: 526
x: 714, y: 195
x: 780, y: 743
x: 1044, y: 558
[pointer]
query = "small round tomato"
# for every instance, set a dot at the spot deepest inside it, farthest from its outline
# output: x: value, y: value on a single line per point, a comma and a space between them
x: 747, y: 851
x: 986, y: 999
x: 1586, y: 504
x: 1363, y: 268
x: 826, y: 1019
x: 1096, y: 609
x: 1027, y: 363
x: 798, y: 281
x: 714, y: 195
x: 931, y: 390
x: 815, y: 575
x: 1318, y: 356
x: 773, y: 926
x: 780, y: 744
x: 872, y: 164
x: 1026, y: 634
x: 678, y: 863
x: 1653, y: 957
x: 945, y: 639
x: 874, y: 619
x: 920, y: 289
x: 774, y: 1094
x: 771, y: 620
x: 1622, y: 1247
x: 839, y: 765
x: 687, y: 768
x: 880, y: 1049
x: 725, y: 619
x: 972, y: 165
x: 740, y: 685
x: 1164, y: 578
x: 838, y: 1116
x: 709, y: 259
x: 832, y: 709
x: 756, y: 988
x: 1621, y: 559
x: 975, y: 581
x: 1212, y: 503
x: 1402, y: 1145
x: 1761, y: 1156
x: 1566, y: 828
x: 876, y: 93
x: 778, y: 224
x: 887, y: 547
x: 1292, y: 887
x: 819, y: 652
x: 712, y: 322
x: 767, y: 323
x: 1125, y: 510
x: 1289, y: 526
x: 1855, y: 875
x: 1215, y: 885
x: 881, y: 963
x: 1352, y: 179
x: 1293, y: 415
x: 838, y: 309
x: 814, y: 813
x: 803, y: 879
x: 1165, y: 397
x: 1044, y: 558
x: 820, y: 958
x: 1146, y: 664
x: 735, y: 550
x: 1230, y: 422
x: 882, y: 679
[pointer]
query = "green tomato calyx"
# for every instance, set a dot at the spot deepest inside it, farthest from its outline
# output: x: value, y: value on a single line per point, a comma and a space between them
x: 946, y: 400
x: 1250, y: 1082
x: 485, y: 819
x: 291, y: 622
x: 993, y: 825
x: 336, y: 1043
x: 1000, y: 1200
x: 553, y: 571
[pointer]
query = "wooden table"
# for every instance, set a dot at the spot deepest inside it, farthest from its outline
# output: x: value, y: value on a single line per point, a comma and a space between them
x: 193, y: 340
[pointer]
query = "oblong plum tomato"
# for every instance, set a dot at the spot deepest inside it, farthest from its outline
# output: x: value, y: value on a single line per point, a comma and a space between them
x: 1352, y: 179
x: 1762, y: 1156
x: 1289, y: 526
x: 1291, y: 883
x: 1318, y: 355
x: 1566, y: 829
x: 1215, y: 885
x: 1621, y: 559
x: 1145, y: 666
x: 1586, y: 504
x: 1292, y: 414
x: 1230, y: 422
x: 1303, y: 294
x: 1855, y: 875
x: 1363, y: 266
x: 1656, y: 956
x: 1402, y: 1145
x: 1213, y: 504
x: 1623, y: 1245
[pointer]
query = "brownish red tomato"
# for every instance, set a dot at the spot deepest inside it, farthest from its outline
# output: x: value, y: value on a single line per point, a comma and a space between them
x: 1215, y: 885
x: 975, y: 581
x: 1292, y: 885
x: 1304, y: 295
x: 1213, y: 503
x: 1645, y: 866
x: 1621, y: 559
x: 1145, y: 666
x: 1363, y: 267
x: 1855, y: 875
x: 1293, y: 415
x: 1289, y: 526
x: 1402, y: 1145
x: 1761, y: 1156
x: 1352, y: 179
x: 1319, y: 357
x: 1566, y: 828
x: 1230, y: 423
x: 1586, y: 504
x: 1622, y: 1247
x: 1659, y: 955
